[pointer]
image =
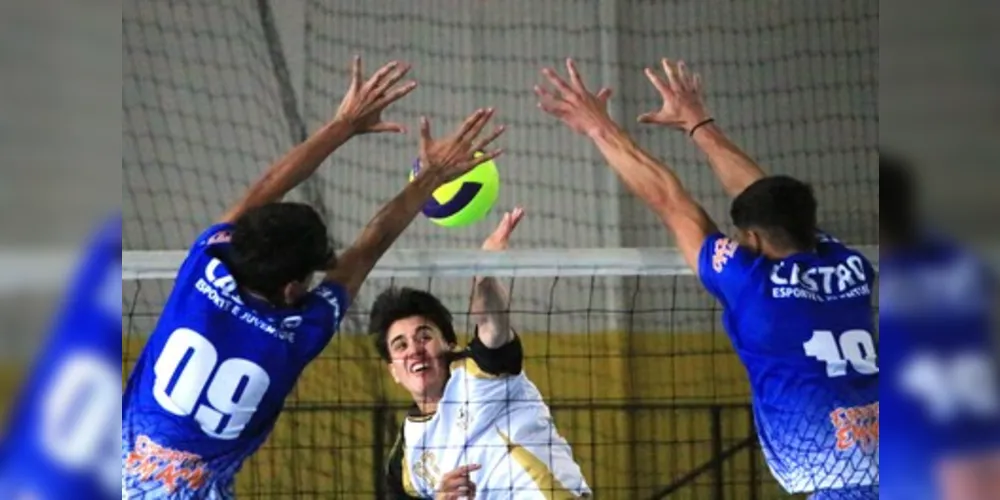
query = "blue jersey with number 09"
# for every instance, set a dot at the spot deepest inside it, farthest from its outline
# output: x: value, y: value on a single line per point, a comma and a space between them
x: 803, y: 328
x: 62, y: 440
x: 213, y: 377
x: 943, y: 398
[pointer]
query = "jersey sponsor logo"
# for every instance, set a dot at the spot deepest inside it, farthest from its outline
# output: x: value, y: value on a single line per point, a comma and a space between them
x: 426, y: 468
x: 725, y: 249
x: 220, y: 237
x: 291, y: 322
x: 224, y: 283
x: 856, y: 427
x: 173, y: 469
x: 220, y: 289
x: 462, y: 420
x: 844, y: 280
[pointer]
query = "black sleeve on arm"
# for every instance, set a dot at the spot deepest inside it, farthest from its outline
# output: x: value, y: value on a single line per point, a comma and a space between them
x: 507, y: 359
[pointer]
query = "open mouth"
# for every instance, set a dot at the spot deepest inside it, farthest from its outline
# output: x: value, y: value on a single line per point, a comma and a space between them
x: 419, y: 367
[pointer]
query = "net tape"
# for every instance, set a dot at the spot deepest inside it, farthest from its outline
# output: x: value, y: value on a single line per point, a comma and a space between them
x: 438, y: 263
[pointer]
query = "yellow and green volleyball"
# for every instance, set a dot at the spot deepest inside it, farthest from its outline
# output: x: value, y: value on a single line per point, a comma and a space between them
x: 465, y: 200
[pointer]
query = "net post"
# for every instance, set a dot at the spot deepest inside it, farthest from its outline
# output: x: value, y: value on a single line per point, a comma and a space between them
x: 610, y: 216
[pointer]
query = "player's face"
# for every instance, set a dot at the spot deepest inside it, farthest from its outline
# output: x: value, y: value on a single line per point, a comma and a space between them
x: 418, y: 351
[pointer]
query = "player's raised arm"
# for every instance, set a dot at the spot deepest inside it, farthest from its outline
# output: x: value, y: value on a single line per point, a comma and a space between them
x: 684, y: 109
x: 586, y: 113
x: 442, y: 160
x: 360, y: 112
x: 490, y: 302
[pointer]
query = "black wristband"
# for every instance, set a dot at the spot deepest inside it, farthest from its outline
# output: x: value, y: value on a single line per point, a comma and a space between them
x: 699, y: 125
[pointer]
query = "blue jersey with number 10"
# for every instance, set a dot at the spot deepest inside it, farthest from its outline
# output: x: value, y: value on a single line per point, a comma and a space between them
x: 213, y: 377
x: 62, y: 439
x: 802, y: 326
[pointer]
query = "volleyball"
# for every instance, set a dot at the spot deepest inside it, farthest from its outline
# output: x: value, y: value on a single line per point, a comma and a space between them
x: 465, y: 200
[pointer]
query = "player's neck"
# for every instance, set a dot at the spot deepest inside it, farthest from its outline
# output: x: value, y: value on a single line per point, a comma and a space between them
x: 428, y: 406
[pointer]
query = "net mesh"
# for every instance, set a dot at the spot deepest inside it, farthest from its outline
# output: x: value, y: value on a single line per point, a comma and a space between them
x: 639, y: 405
x: 215, y: 90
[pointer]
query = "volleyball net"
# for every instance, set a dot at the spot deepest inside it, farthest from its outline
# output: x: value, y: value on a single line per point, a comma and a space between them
x: 624, y: 344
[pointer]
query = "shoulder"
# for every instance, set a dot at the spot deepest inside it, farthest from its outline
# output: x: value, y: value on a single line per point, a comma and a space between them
x: 720, y: 254
x: 206, y: 249
x: 319, y: 317
x: 216, y: 234
x: 330, y: 295
x: 725, y: 267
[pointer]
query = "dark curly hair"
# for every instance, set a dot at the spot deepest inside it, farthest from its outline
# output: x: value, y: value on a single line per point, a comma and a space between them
x: 395, y: 304
x: 278, y: 244
x: 782, y: 207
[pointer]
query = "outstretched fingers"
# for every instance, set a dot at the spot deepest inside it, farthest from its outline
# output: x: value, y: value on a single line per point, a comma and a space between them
x: 356, y: 78
x: 671, y: 71
x: 547, y: 100
x: 512, y: 219
x: 482, y: 143
x: 380, y: 83
x: 391, y: 95
x: 574, y: 77
x: 425, y: 133
x: 604, y: 95
x: 564, y: 88
x: 684, y: 77
x: 661, y: 86
x: 474, y: 124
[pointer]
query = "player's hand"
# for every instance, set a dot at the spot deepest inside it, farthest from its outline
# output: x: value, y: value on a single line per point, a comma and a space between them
x: 582, y: 111
x: 364, y: 102
x: 454, y: 155
x: 682, y: 107
x: 501, y: 235
x: 457, y: 485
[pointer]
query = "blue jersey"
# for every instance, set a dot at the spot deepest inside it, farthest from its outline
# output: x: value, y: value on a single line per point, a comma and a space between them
x: 62, y: 439
x: 935, y: 316
x: 213, y: 377
x: 803, y: 328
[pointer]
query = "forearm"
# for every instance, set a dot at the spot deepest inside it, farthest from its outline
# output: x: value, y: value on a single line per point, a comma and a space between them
x: 642, y: 174
x: 491, y: 312
x: 381, y: 232
x: 734, y: 168
x: 293, y: 168
x: 661, y: 190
